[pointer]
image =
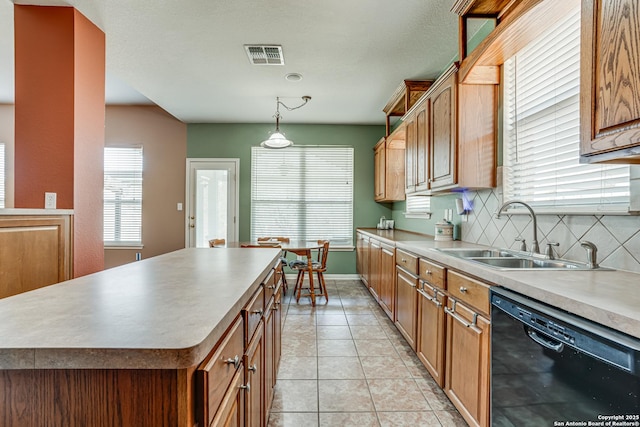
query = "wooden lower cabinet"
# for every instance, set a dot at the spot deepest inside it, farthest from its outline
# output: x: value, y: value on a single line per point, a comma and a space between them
x: 374, y: 268
x: 430, y: 337
x: 232, y: 413
x: 467, y: 371
x: 273, y: 346
x: 254, y: 373
x: 406, y: 303
x: 386, y: 276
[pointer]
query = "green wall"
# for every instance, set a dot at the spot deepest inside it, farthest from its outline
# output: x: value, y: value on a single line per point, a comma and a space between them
x: 218, y: 140
x: 427, y: 226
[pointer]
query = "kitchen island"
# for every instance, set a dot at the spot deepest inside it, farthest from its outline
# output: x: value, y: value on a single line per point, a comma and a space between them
x: 122, y: 346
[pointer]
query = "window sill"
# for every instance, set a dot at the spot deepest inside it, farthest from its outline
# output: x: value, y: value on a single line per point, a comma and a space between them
x: 129, y: 246
x: 417, y: 215
x: 586, y: 211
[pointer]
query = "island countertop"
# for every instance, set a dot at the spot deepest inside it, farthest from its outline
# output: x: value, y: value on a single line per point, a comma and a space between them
x: 165, y: 312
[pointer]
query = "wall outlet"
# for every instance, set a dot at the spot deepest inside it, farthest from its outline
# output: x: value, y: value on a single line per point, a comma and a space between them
x: 50, y: 200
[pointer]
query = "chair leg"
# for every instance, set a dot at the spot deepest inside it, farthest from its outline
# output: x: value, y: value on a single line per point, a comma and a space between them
x: 323, y: 286
x: 299, y: 281
x: 284, y: 282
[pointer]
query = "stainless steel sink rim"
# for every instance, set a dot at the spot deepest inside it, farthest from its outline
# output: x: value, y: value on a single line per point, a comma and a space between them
x: 507, y: 259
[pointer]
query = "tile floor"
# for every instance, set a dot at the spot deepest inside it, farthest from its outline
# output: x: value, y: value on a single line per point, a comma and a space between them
x: 345, y: 364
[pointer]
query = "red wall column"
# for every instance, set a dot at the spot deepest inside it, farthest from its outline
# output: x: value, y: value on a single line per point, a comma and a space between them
x: 59, y: 121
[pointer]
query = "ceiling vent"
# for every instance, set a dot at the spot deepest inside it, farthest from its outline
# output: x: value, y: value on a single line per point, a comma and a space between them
x: 264, y: 54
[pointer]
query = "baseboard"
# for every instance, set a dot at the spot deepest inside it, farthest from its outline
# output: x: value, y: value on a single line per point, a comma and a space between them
x: 292, y: 277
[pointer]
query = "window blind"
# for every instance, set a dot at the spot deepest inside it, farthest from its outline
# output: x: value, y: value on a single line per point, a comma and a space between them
x: 303, y: 192
x: 2, y: 177
x: 418, y: 206
x: 123, y: 196
x: 542, y: 129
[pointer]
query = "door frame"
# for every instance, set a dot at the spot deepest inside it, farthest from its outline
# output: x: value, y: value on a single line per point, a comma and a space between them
x: 188, y: 207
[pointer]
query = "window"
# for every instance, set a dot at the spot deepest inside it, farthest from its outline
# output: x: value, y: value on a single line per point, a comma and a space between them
x: 123, y: 196
x: 2, y: 178
x: 304, y: 193
x: 542, y: 130
x: 418, y: 207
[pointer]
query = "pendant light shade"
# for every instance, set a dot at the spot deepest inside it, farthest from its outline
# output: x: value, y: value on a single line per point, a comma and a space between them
x: 277, y: 138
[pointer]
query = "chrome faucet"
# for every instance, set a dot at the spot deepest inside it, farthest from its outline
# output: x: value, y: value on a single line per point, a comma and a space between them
x: 592, y: 253
x: 534, y: 245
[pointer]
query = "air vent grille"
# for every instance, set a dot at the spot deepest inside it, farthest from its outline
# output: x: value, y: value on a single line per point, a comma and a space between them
x: 264, y: 54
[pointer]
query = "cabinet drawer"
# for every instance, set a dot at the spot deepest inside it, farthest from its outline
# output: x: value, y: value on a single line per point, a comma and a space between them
x: 253, y: 314
x: 270, y: 284
x: 216, y: 372
x: 407, y: 261
x: 432, y: 273
x: 468, y: 290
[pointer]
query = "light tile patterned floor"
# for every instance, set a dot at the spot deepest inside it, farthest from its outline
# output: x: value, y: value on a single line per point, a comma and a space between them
x: 345, y: 364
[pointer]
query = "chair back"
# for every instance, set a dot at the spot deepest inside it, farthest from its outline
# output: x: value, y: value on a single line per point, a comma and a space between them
x: 323, y: 253
x: 217, y: 242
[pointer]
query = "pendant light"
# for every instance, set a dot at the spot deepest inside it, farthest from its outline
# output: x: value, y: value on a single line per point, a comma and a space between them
x: 277, y: 138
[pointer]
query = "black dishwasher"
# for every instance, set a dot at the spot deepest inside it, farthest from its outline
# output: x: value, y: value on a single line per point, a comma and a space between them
x: 552, y: 368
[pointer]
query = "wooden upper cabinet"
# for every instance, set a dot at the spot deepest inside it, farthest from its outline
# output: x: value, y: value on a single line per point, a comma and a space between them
x: 610, y: 81
x: 389, y: 165
x: 423, y: 137
x: 443, y: 131
x: 451, y: 137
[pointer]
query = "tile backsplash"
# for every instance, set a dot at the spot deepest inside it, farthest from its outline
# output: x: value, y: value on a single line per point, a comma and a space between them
x: 616, y: 236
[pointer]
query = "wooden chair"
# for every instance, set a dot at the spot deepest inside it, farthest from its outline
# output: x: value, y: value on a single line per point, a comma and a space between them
x: 318, y: 267
x: 283, y: 258
x: 213, y: 243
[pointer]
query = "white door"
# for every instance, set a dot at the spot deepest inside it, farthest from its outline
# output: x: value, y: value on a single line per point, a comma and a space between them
x: 212, y: 206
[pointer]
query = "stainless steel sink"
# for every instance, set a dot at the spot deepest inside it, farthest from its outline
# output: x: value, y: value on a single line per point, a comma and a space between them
x: 505, y: 259
x: 530, y: 263
x: 478, y: 253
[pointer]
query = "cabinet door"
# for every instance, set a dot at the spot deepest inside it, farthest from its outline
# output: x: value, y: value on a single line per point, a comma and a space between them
x: 410, y: 154
x: 374, y: 268
x: 254, y: 365
x: 468, y: 362
x: 269, y: 348
x: 443, y: 133
x: 422, y: 146
x: 379, y: 162
x: 609, y: 80
x: 387, y: 277
x: 430, y: 337
x: 231, y: 412
x: 365, y: 264
x: 406, y: 300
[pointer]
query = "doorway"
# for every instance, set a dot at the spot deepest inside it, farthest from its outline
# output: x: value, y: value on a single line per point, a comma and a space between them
x: 212, y: 201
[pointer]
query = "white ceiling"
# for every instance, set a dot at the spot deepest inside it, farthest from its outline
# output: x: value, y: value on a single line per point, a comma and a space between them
x: 188, y: 56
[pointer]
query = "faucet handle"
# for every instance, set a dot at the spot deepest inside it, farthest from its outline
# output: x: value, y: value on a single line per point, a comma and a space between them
x: 592, y: 253
x: 523, y: 243
x: 549, y: 251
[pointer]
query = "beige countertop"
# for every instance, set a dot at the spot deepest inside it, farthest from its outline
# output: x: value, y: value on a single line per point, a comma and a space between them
x: 165, y: 312
x: 611, y: 298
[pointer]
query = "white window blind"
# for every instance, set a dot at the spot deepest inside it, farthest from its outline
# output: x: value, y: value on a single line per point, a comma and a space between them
x: 418, y: 206
x: 303, y: 192
x: 542, y: 129
x: 2, y: 177
x: 122, y: 196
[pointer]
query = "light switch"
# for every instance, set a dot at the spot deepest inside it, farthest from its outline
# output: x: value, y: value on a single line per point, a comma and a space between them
x: 179, y: 206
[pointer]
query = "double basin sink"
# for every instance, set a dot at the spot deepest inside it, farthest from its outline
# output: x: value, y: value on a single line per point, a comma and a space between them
x: 505, y: 259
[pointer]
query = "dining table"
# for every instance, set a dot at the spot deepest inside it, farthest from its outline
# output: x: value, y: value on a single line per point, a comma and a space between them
x: 299, y: 247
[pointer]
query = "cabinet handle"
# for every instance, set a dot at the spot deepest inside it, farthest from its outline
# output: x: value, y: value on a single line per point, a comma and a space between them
x: 246, y: 387
x: 433, y: 300
x: 452, y: 312
x: 253, y: 368
x: 403, y: 260
x: 235, y: 361
x: 463, y: 289
x: 271, y: 287
x: 428, y: 272
x: 258, y: 312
